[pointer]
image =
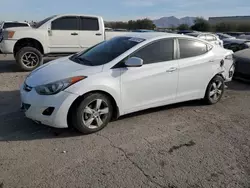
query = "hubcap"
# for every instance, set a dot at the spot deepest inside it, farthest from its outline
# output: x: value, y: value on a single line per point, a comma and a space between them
x: 30, y: 59
x: 216, y: 90
x: 95, y: 114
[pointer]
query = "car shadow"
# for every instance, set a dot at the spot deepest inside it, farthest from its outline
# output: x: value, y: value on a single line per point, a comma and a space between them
x: 8, y: 64
x: 15, y: 127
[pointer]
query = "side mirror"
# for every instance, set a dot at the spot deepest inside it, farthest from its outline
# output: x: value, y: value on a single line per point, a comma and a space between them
x: 134, y: 62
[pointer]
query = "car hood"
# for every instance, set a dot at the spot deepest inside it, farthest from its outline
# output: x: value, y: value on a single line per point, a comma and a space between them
x: 59, y: 69
x: 243, y: 54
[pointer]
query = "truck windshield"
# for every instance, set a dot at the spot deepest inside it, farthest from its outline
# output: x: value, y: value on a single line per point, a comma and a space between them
x: 106, y: 51
x: 39, y: 24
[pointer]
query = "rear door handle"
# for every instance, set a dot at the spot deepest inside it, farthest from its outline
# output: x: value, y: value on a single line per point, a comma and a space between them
x: 74, y: 33
x: 172, y: 69
x: 211, y: 61
x: 98, y: 34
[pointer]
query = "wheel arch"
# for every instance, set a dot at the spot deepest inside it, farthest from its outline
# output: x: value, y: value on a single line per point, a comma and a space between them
x: 28, y: 42
x: 116, y: 109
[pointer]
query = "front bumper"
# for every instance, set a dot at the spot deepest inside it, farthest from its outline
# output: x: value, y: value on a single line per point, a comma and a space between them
x: 34, y: 106
x: 7, y: 46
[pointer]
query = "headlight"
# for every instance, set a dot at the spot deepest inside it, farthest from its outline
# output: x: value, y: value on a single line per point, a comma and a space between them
x: 56, y: 87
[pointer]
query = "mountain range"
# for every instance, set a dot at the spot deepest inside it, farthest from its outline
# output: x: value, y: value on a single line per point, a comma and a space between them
x: 172, y: 21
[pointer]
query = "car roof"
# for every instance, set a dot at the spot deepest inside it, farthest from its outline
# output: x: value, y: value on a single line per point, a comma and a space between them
x: 155, y: 35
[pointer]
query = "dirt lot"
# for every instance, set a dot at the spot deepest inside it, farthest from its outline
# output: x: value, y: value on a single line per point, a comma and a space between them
x: 185, y: 145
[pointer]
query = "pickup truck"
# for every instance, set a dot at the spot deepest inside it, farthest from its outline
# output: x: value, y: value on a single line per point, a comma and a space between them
x: 54, y: 36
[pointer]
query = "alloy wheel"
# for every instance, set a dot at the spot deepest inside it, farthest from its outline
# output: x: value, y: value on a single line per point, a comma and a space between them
x: 216, y: 90
x: 95, y: 114
x: 30, y: 59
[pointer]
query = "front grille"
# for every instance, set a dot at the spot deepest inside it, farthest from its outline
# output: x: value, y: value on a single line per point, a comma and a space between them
x: 27, y: 88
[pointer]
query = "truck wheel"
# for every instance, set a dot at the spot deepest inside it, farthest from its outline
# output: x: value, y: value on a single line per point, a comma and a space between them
x: 29, y: 58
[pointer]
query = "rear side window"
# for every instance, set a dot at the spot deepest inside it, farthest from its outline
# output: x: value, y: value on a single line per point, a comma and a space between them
x: 65, y: 23
x: 191, y: 48
x: 8, y: 25
x: 89, y: 24
x: 159, y: 51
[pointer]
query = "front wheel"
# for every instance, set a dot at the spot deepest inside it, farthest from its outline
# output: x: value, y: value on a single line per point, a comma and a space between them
x: 29, y: 58
x: 215, y: 90
x: 93, y: 113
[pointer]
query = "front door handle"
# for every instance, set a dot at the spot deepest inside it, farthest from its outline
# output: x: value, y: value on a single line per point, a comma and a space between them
x: 172, y: 69
x: 74, y: 33
x: 98, y: 34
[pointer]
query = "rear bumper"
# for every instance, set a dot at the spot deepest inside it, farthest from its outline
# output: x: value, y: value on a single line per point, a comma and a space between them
x: 7, y: 46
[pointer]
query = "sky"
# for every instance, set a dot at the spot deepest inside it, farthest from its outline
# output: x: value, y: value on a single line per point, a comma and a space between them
x: 121, y: 10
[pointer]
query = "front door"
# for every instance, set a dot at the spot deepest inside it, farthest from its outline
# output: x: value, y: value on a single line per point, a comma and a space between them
x: 64, y: 36
x: 153, y: 84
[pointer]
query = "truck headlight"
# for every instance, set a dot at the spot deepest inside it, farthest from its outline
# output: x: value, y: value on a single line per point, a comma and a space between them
x: 56, y: 87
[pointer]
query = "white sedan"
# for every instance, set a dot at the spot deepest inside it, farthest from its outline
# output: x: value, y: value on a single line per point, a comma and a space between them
x: 123, y: 75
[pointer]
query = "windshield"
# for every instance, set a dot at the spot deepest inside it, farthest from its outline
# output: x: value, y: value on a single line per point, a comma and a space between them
x: 39, y: 24
x: 106, y: 51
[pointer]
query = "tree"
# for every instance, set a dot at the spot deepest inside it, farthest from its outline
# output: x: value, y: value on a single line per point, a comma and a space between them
x: 132, y: 24
x: 200, y: 24
x: 183, y: 27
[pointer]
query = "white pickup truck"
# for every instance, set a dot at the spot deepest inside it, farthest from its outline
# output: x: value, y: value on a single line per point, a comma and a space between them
x: 54, y: 36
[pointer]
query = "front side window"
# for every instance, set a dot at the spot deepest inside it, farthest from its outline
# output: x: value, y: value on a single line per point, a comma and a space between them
x: 106, y: 51
x: 65, y: 23
x: 159, y: 51
x: 89, y: 24
x: 191, y: 48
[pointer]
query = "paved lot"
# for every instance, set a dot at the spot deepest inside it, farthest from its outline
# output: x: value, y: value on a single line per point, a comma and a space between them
x: 184, y: 145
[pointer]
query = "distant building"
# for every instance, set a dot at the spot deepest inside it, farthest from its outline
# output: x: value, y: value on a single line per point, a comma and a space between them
x: 229, y: 19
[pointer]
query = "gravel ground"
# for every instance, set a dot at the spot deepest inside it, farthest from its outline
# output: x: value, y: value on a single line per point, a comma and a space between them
x: 185, y: 145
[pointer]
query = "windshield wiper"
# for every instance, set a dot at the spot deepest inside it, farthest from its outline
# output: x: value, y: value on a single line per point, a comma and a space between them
x: 83, y: 60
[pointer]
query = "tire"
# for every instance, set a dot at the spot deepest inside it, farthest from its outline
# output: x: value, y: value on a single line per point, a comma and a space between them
x: 29, y: 58
x: 87, y: 112
x: 215, y: 90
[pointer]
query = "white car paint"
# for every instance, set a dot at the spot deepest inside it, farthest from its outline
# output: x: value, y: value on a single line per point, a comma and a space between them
x: 132, y: 88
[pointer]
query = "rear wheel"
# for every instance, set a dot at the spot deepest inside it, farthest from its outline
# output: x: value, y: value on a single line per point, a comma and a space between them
x: 29, y: 58
x: 215, y: 90
x: 93, y: 113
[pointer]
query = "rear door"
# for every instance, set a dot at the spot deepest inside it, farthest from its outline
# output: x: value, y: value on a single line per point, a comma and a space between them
x: 196, y: 61
x: 64, y: 36
x: 91, y: 32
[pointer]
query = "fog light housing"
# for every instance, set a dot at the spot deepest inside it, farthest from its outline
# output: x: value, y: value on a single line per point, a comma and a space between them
x: 48, y: 111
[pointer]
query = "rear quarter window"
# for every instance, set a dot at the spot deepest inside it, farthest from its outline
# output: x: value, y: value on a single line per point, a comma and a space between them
x: 191, y: 48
